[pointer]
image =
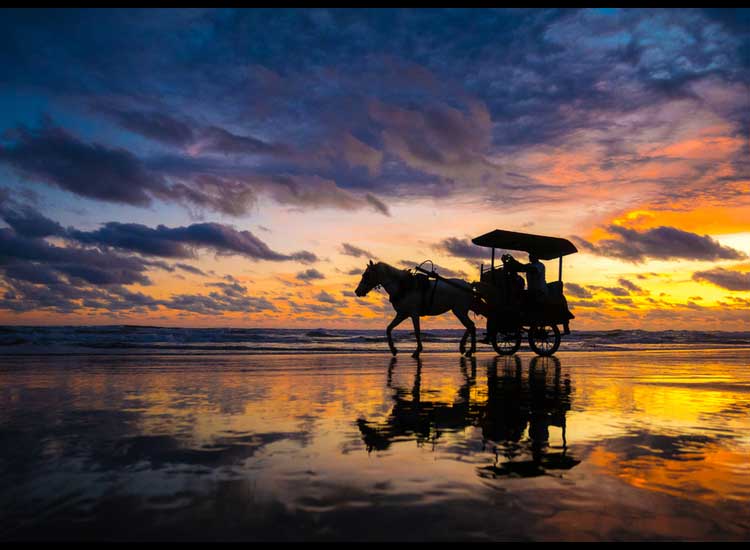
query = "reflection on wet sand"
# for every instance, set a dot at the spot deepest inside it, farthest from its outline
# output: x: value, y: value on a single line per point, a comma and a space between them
x: 511, y: 403
x: 594, y: 446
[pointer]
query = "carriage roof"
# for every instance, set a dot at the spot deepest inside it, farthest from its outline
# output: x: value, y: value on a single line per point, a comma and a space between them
x: 547, y: 248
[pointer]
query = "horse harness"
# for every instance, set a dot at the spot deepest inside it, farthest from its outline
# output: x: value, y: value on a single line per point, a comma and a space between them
x: 415, y: 282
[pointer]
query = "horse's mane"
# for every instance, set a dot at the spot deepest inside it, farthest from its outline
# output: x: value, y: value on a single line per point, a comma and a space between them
x: 395, y: 271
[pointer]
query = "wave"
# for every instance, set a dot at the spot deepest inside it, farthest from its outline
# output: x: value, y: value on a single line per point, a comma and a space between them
x: 190, y: 340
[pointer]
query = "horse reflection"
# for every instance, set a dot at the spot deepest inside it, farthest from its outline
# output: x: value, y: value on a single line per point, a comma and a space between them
x: 515, y: 417
x: 413, y: 416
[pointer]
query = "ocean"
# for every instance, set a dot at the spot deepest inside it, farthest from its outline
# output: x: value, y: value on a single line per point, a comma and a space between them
x: 151, y: 339
x: 128, y: 433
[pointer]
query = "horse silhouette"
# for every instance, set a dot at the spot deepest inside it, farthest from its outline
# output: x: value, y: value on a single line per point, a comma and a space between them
x: 417, y: 296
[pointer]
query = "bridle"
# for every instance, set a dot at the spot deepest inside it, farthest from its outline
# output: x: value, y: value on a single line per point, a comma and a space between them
x: 383, y: 284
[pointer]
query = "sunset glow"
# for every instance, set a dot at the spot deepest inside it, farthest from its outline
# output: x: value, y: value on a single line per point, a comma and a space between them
x: 239, y: 168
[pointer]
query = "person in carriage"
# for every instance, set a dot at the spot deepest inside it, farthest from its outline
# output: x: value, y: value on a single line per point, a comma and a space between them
x: 536, y: 277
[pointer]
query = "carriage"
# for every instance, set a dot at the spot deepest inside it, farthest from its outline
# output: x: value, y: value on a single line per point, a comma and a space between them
x: 509, y: 316
x: 510, y: 312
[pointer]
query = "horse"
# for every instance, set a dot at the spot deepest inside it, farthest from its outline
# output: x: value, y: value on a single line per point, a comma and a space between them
x: 410, y: 299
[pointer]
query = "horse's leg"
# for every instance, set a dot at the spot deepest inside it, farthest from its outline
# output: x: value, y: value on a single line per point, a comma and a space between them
x: 462, y: 345
x: 415, y: 320
x: 463, y: 316
x: 397, y: 320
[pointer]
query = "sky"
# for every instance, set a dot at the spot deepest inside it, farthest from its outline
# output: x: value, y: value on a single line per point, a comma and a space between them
x: 240, y: 167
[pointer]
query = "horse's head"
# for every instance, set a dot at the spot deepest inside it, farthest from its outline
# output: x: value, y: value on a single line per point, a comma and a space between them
x: 369, y: 280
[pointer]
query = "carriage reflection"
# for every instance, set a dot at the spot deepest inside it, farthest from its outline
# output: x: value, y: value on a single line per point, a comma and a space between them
x: 515, y: 412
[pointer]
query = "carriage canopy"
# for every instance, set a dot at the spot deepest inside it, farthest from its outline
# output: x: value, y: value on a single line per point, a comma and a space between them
x: 547, y: 248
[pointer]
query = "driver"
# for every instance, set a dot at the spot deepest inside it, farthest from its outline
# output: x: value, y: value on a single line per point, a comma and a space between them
x: 536, y: 276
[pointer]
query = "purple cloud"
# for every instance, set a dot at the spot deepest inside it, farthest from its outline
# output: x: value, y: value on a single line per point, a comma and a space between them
x: 661, y: 243
x: 725, y: 278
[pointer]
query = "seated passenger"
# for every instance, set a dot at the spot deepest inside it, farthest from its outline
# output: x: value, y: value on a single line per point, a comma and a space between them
x: 536, y: 276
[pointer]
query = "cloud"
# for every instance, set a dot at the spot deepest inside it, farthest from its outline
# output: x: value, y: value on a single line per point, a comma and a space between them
x: 179, y: 242
x: 27, y: 221
x: 661, y: 243
x: 613, y: 290
x: 191, y: 269
x: 220, y: 140
x: 35, y: 295
x: 18, y: 254
x: 182, y: 132
x: 53, y: 156
x: 577, y: 291
x: 230, y: 297
x: 351, y: 250
x: 401, y: 111
x: 725, y: 278
x: 153, y: 124
x: 377, y: 204
x: 309, y: 275
x: 327, y: 298
x: 630, y: 286
x: 94, y: 267
x: 461, y: 248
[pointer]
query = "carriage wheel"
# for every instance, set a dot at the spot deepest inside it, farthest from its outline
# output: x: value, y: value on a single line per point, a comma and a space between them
x: 506, y: 342
x: 544, y: 340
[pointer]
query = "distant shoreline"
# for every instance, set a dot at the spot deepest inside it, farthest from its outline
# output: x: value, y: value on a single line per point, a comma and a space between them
x: 121, y: 340
x: 323, y: 328
x: 403, y: 353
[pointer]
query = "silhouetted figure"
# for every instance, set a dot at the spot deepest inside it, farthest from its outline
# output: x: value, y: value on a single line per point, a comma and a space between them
x: 536, y: 276
x: 424, y: 420
x: 416, y: 296
x: 504, y: 294
x: 515, y: 417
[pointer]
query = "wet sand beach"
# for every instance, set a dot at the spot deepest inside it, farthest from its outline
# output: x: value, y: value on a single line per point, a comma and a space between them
x: 638, y: 445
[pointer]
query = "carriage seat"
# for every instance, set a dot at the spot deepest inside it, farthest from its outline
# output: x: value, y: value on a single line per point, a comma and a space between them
x: 555, y: 306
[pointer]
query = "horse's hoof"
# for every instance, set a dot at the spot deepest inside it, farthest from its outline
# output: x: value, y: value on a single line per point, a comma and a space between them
x: 415, y: 355
x: 394, y: 351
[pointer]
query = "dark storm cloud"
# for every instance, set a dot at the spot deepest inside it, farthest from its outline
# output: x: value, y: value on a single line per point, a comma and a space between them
x: 219, y: 140
x: 725, y: 278
x: 27, y: 221
x: 181, y: 131
x: 24, y: 295
x: 178, y: 242
x: 363, y: 108
x: 19, y: 253
x: 92, y: 270
x: 151, y: 124
x: 662, y: 243
x: 52, y: 155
